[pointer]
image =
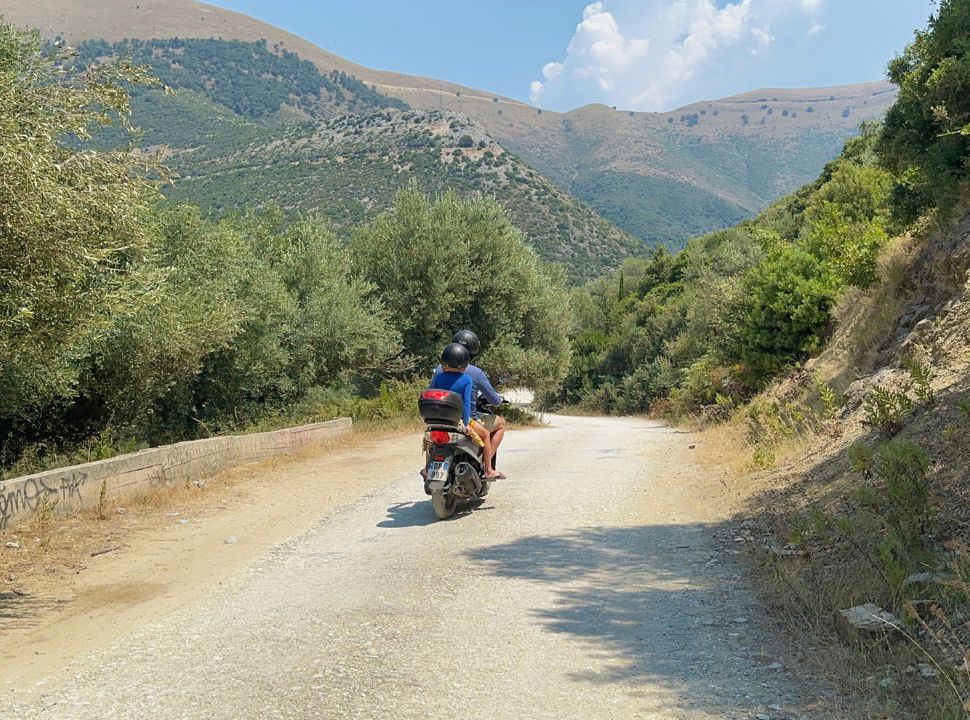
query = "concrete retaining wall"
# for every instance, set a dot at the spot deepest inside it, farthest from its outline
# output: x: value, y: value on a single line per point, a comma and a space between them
x: 79, y: 486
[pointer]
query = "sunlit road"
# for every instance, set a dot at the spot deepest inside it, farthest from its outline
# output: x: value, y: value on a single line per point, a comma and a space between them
x: 584, y: 587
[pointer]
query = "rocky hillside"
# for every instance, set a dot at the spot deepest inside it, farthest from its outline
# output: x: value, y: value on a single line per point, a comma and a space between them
x: 663, y: 177
x: 870, y: 508
x: 349, y: 168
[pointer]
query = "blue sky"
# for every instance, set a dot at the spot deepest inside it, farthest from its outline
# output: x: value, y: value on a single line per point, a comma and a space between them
x: 635, y: 54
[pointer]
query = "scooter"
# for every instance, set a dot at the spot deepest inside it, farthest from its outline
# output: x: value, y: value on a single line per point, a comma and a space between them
x: 454, y: 469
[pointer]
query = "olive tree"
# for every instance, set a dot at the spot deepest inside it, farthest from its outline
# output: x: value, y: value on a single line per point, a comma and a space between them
x: 72, y: 227
x: 455, y: 263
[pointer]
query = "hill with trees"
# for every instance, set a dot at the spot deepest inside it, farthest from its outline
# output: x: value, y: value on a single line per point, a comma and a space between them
x: 248, y: 78
x: 661, y: 177
x: 126, y: 321
x: 348, y: 169
x: 242, y: 124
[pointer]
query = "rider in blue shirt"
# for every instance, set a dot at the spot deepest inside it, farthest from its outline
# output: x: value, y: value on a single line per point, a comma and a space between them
x: 494, y: 425
x: 451, y: 375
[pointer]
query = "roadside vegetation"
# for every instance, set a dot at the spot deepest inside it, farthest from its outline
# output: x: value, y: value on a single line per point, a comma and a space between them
x: 127, y: 322
x: 827, y: 341
x: 702, y: 331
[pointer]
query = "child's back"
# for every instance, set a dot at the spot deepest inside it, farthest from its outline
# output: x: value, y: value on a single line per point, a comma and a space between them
x: 459, y: 383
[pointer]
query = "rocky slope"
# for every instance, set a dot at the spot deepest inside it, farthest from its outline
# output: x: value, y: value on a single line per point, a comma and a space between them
x: 873, y: 504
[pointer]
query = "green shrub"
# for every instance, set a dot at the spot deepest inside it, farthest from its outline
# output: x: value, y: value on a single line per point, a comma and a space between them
x: 902, y: 467
x: 921, y: 377
x: 417, y: 261
x: 784, y: 312
x: 886, y: 410
x: 74, y: 224
x: 763, y: 457
x: 831, y: 402
x: 861, y: 458
x: 925, y: 139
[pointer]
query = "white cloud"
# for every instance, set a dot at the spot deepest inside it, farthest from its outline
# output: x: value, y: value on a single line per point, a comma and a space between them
x: 647, y: 54
x: 763, y: 39
x: 597, y: 52
x: 815, y: 28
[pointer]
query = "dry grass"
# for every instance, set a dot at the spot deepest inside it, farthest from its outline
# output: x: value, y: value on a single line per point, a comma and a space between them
x: 823, y: 545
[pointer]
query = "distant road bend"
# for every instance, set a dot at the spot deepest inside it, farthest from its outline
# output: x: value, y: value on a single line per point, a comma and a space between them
x: 589, y: 585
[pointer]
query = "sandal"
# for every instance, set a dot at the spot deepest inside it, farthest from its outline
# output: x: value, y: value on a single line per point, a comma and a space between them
x: 498, y: 476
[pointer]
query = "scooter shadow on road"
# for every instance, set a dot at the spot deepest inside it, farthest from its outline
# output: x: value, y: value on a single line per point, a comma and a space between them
x: 416, y: 514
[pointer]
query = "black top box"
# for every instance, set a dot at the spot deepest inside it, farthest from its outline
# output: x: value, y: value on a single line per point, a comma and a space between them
x: 441, y: 406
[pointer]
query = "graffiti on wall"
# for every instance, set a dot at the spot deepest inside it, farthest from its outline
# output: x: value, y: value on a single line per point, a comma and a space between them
x: 34, y: 493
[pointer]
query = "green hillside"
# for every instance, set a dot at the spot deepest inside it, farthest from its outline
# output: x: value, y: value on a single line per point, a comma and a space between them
x: 249, y: 78
x: 243, y: 124
x: 348, y: 169
x: 662, y: 177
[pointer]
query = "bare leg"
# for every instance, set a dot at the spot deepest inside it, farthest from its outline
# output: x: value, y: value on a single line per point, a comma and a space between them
x: 487, y: 450
x: 497, y: 434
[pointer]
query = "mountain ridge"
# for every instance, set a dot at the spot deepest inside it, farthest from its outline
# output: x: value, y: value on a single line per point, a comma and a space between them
x: 661, y: 176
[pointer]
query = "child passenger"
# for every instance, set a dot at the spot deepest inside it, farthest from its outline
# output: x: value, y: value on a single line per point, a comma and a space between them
x: 454, y: 360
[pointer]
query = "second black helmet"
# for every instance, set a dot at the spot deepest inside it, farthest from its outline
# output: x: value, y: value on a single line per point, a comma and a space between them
x: 454, y: 356
x: 469, y: 340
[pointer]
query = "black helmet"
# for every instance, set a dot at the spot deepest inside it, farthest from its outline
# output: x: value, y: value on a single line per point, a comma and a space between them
x: 454, y: 356
x: 469, y: 340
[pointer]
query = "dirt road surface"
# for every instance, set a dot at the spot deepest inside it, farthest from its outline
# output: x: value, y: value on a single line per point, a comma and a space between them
x: 589, y: 585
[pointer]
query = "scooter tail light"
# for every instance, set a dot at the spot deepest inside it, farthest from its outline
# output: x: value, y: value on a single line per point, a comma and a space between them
x: 439, y: 437
x: 435, y: 394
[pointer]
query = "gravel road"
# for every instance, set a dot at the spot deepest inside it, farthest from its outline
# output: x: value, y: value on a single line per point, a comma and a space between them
x: 589, y: 585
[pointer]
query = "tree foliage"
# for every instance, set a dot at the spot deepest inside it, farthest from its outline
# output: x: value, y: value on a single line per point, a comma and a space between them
x: 784, y: 309
x: 713, y: 323
x: 72, y: 221
x: 460, y: 263
x: 926, y: 139
x: 121, y: 316
x: 246, y: 77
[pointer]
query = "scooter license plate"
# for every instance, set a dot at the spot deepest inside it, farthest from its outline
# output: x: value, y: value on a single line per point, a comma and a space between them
x: 438, y: 471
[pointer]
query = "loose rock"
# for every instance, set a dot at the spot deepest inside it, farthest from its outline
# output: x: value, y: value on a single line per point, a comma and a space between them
x: 923, y: 578
x: 231, y: 540
x: 866, y: 619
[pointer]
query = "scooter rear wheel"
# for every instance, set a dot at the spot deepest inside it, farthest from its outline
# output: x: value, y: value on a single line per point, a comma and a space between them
x: 444, y: 503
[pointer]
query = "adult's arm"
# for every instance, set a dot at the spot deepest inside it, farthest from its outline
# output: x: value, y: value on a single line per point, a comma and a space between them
x: 488, y: 392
